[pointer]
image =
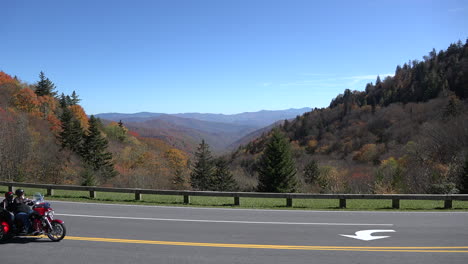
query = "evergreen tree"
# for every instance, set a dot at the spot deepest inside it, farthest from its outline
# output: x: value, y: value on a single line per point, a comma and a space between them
x: 45, y: 86
x: 94, y: 151
x: 202, y: 174
x: 71, y: 136
x: 311, y: 172
x: 378, y: 81
x: 224, y: 180
x: 63, y: 101
x: 276, y: 168
x: 88, y: 177
x: 74, y: 100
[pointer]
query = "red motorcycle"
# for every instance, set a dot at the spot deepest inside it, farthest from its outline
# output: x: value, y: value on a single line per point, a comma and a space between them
x: 42, y: 220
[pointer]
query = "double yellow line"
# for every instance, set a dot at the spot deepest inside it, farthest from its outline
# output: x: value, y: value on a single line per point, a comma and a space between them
x: 463, y: 249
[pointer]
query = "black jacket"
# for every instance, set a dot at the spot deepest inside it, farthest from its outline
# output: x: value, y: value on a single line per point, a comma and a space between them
x: 21, y: 205
x: 7, y: 205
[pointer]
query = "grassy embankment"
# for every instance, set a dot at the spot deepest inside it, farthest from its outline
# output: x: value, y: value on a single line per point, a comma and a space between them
x: 302, y: 204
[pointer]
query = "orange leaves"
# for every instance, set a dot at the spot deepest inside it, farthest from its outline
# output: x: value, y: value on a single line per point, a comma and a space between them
x: 176, y: 158
x: 5, y: 78
x: 38, y: 106
x: 47, y: 104
x: 26, y: 100
x: 80, y: 115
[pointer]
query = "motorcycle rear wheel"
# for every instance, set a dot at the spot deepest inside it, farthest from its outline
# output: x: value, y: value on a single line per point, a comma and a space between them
x: 58, y: 232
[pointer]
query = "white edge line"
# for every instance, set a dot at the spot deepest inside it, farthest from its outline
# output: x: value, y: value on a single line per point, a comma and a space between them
x: 264, y: 210
x: 221, y: 221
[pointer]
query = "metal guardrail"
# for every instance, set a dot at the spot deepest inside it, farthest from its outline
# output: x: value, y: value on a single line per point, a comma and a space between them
x: 447, y: 198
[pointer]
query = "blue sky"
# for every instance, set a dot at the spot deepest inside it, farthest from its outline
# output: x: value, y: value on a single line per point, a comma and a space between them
x: 216, y: 56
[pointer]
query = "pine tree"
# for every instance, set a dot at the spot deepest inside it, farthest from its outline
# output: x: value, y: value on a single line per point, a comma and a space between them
x: 63, y: 101
x: 45, y: 86
x: 94, y: 151
x: 224, y: 180
x: 378, y: 81
x: 202, y: 174
x: 74, y: 100
x: 71, y: 136
x: 88, y: 177
x: 311, y: 172
x: 276, y: 168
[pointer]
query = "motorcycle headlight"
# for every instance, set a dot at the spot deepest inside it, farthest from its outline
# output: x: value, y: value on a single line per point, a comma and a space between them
x: 50, y: 214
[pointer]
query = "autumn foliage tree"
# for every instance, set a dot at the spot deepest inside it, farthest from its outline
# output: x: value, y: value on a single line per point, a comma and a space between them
x: 26, y: 100
x: 178, y: 162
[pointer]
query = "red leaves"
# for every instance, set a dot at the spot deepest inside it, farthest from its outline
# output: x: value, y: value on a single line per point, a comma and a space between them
x: 133, y: 134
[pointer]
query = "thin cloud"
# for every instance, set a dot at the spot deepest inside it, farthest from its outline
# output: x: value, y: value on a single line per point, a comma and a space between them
x: 266, y: 84
x: 456, y: 10
x: 318, y: 82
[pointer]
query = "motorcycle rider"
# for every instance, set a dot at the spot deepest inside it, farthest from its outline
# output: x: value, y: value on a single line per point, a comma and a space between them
x: 22, y: 210
x: 7, y: 203
x: 7, y: 208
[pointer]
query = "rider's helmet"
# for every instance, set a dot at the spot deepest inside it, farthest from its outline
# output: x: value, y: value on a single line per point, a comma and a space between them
x: 9, y: 195
x: 19, y: 192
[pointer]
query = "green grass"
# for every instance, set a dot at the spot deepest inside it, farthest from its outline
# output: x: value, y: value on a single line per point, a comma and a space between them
x: 227, y: 202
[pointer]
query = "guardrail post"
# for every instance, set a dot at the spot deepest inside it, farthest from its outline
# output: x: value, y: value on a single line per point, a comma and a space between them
x: 236, y: 200
x: 342, y: 203
x: 138, y: 195
x: 92, y: 194
x: 396, y: 203
x: 289, y: 202
x: 10, y: 188
x: 50, y: 192
x: 447, y: 204
x: 186, y: 199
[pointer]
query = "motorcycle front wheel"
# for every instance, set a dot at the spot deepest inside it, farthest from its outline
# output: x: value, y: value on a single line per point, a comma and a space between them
x: 58, y: 231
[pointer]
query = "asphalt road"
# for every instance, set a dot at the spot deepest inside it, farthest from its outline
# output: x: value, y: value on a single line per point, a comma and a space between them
x: 102, y: 233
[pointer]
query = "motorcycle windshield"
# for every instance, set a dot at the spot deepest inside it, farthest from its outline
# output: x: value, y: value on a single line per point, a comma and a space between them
x: 38, y: 198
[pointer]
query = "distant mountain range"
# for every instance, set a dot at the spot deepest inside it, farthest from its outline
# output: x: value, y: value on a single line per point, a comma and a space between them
x: 256, y: 119
x: 186, y: 130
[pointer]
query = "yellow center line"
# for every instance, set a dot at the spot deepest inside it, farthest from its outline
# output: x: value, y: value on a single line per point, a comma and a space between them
x: 461, y: 249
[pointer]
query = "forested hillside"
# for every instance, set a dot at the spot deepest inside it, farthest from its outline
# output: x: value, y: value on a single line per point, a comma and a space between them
x: 48, y: 138
x: 404, y: 134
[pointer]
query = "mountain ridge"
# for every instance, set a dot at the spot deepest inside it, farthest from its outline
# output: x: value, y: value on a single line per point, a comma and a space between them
x: 258, y: 119
x: 221, y: 132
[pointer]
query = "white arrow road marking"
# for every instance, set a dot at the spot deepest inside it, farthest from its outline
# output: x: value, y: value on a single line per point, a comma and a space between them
x: 366, y: 235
